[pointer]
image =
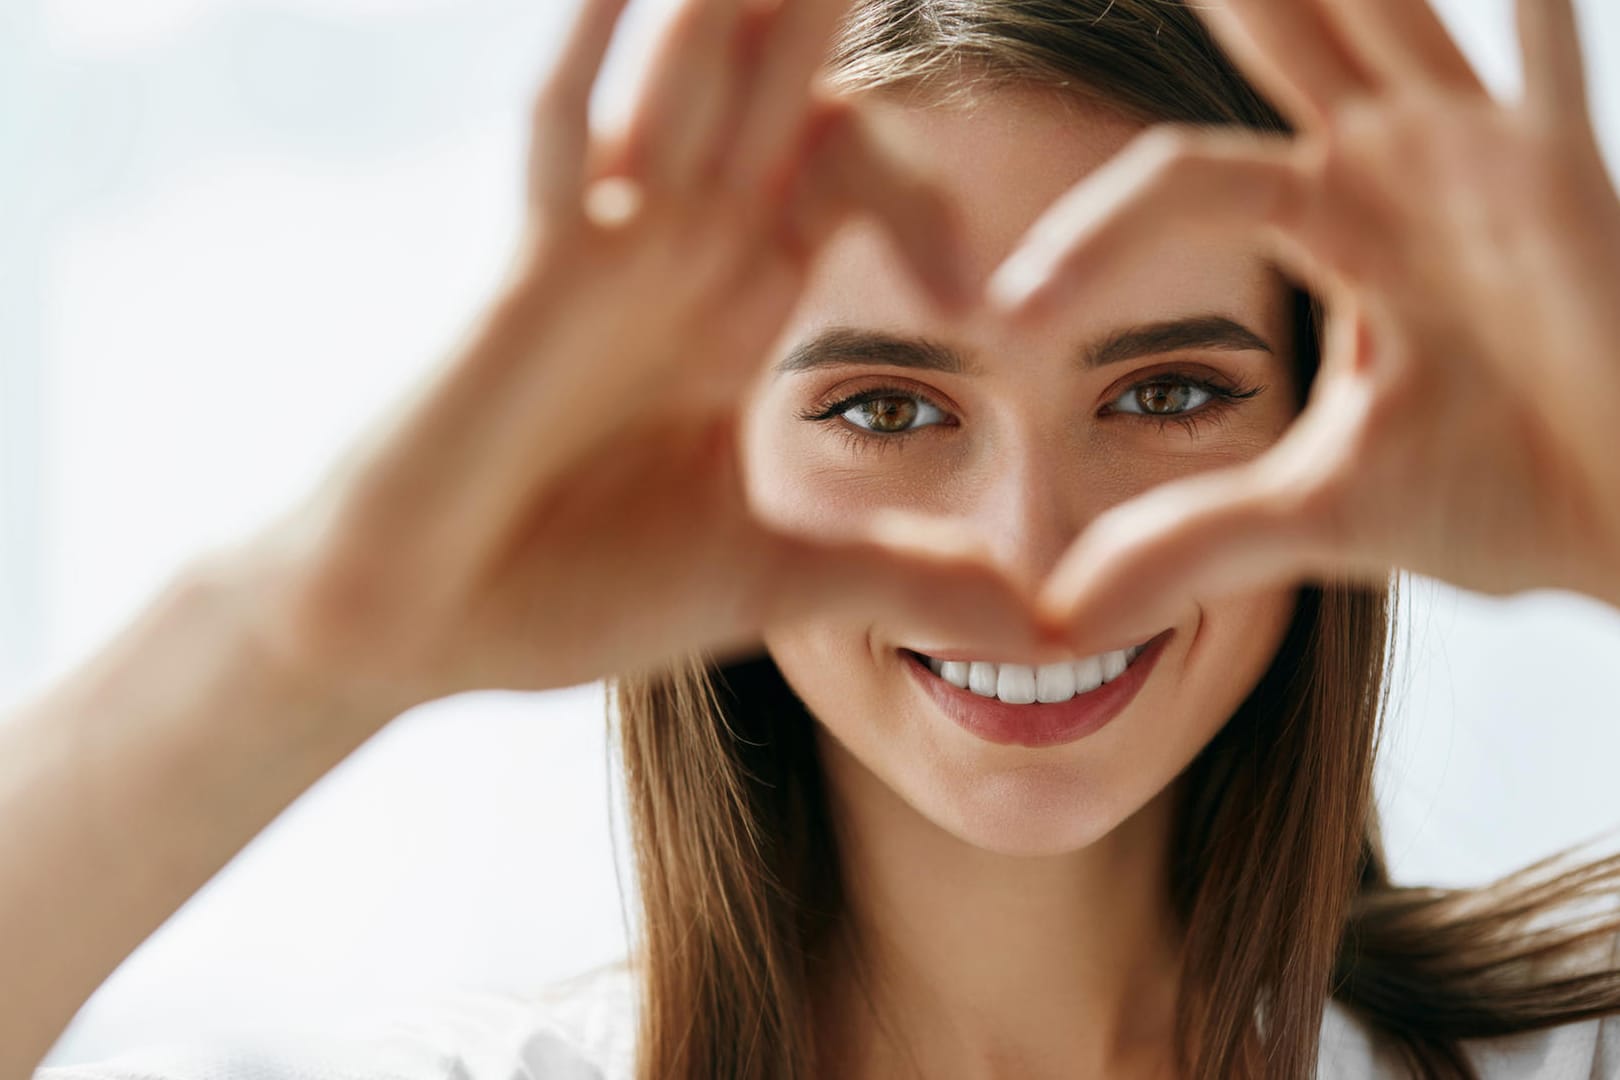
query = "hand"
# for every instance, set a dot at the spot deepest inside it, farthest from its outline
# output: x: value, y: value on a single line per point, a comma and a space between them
x: 1468, y: 252
x: 563, y: 501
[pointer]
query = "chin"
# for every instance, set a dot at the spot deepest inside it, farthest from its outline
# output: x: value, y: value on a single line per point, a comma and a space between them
x: 1027, y: 808
x: 1034, y: 813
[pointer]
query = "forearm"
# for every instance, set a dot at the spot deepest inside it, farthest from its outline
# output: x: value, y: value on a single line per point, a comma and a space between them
x: 129, y: 784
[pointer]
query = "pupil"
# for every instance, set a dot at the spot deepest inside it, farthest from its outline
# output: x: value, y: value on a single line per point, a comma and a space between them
x: 891, y: 414
x: 1164, y: 397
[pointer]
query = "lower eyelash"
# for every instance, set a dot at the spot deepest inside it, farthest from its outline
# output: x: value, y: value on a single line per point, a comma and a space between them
x: 868, y: 440
x: 1213, y: 413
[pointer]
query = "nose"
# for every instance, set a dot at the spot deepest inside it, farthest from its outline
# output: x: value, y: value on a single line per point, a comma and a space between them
x: 1029, y: 506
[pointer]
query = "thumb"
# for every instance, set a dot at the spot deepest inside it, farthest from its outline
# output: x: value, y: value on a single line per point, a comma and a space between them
x: 1139, y: 565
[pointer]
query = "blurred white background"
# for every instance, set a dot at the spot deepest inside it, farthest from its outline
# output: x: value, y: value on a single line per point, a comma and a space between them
x: 230, y: 230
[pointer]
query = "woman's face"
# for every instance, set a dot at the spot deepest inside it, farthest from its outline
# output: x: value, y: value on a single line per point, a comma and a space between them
x: 1024, y: 440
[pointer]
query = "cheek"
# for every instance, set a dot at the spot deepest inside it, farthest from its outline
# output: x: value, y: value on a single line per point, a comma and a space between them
x: 807, y: 475
x: 1238, y: 637
x: 869, y: 743
x: 832, y: 667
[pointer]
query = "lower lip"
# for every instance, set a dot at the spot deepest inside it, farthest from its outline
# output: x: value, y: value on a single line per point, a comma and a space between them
x: 1040, y: 724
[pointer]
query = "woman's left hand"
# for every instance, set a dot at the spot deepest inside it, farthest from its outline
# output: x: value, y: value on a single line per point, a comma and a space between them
x: 1463, y: 421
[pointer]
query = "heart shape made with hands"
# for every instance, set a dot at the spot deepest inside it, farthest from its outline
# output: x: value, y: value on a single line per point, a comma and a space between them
x: 1457, y: 425
x: 1466, y: 250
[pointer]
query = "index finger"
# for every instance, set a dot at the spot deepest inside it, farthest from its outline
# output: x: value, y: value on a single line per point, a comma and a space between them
x: 1169, y: 181
x: 560, y: 132
x: 794, y: 47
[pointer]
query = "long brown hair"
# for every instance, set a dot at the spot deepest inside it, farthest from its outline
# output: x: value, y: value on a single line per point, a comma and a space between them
x: 1279, y: 876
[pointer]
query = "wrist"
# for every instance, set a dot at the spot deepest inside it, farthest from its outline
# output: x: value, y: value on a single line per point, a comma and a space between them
x: 238, y: 591
x: 131, y: 781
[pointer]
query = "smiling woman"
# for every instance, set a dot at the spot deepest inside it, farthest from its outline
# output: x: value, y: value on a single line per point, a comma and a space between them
x: 930, y: 861
x: 916, y: 789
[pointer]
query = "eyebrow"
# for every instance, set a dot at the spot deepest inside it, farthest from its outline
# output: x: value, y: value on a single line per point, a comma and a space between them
x: 841, y: 346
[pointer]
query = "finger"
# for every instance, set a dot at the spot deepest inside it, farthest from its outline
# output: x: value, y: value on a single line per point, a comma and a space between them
x: 1138, y: 567
x: 1291, y: 51
x: 850, y: 171
x: 921, y: 578
x: 793, y: 47
x: 1554, y: 72
x: 560, y: 125
x: 1169, y: 183
x: 683, y: 102
x: 1402, y: 42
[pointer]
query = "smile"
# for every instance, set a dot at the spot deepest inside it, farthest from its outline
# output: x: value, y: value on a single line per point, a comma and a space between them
x: 1025, y: 705
x: 1020, y: 684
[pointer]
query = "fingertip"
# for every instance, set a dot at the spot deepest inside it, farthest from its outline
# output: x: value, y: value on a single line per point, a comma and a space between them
x: 1051, y: 617
x: 1019, y: 294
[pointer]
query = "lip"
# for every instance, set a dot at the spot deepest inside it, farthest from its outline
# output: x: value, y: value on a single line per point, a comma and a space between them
x: 1040, y: 724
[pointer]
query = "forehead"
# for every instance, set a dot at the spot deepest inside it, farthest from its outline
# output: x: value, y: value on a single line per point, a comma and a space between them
x: 1003, y: 160
x: 1006, y: 155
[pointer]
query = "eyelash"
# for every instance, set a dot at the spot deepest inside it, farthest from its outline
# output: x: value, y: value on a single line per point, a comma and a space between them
x: 1222, y: 397
x: 858, y: 438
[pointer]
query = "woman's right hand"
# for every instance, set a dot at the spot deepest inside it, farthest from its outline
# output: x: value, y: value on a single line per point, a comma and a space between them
x: 564, y: 500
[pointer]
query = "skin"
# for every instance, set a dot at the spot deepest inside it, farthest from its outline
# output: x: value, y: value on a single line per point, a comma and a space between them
x: 563, y: 500
x: 1467, y: 249
x: 1008, y: 889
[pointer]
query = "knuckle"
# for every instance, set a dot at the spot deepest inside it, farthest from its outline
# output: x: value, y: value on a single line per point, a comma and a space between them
x: 833, y: 140
x: 1283, y: 194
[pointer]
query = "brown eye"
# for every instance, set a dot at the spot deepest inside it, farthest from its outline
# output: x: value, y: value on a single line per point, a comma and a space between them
x: 889, y: 414
x: 1162, y: 398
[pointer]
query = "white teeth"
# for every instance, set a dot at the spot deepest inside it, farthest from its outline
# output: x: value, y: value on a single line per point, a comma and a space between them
x: 1021, y: 684
x: 1015, y: 684
x: 1054, y: 682
x: 1087, y: 674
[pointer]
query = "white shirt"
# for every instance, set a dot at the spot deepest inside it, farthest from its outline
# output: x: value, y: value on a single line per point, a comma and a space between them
x: 584, y: 1029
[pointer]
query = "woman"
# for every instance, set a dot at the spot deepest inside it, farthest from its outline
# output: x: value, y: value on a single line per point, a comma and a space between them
x: 1058, y: 758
